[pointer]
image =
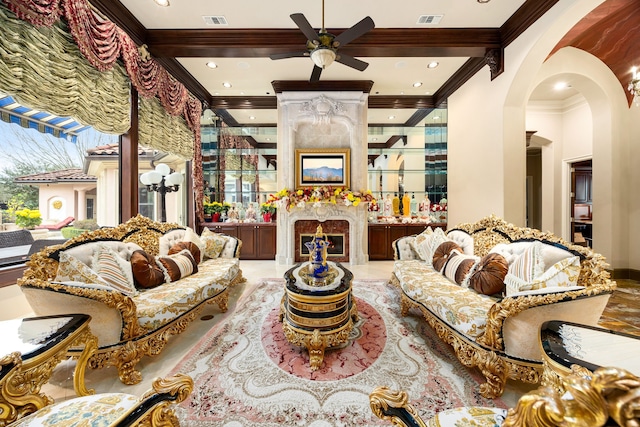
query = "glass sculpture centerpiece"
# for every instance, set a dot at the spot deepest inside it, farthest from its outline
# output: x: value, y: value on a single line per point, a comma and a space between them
x: 318, y: 271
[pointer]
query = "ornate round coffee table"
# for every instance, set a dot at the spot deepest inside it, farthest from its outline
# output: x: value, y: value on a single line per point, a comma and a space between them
x: 318, y: 316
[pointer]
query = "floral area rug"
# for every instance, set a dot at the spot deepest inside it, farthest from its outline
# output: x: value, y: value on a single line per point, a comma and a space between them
x: 247, y: 374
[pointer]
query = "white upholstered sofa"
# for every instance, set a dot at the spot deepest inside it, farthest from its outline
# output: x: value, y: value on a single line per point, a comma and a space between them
x: 136, y: 304
x: 496, y: 328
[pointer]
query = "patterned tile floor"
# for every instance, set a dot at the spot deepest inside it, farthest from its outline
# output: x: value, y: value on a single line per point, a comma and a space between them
x: 623, y: 310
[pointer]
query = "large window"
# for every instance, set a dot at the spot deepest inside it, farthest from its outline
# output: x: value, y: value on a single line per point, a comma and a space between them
x: 146, y: 202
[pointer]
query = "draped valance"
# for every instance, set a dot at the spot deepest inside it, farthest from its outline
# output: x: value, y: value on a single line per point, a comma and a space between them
x: 105, y: 46
x: 162, y: 132
x: 42, y: 67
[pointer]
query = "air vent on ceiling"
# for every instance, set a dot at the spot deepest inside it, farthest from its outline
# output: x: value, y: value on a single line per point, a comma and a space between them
x: 429, y: 19
x: 215, y: 20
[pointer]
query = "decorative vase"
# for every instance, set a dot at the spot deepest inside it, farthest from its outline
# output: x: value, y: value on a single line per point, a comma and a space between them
x: 207, y: 217
x: 215, y: 217
x: 266, y: 217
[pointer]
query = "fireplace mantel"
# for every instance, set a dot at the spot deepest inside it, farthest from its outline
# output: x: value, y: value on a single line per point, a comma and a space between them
x: 331, y: 120
x: 356, y: 216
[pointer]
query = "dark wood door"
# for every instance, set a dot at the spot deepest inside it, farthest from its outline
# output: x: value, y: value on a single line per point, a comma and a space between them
x: 266, y: 242
x: 395, y: 232
x: 230, y: 230
x: 248, y: 235
x: 415, y: 229
x: 378, y: 242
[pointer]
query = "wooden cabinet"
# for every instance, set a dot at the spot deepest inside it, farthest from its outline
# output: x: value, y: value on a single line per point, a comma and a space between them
x: 382, y: 236
x: 221, y: 227
x: 258, y: 240
x: 583, y: 186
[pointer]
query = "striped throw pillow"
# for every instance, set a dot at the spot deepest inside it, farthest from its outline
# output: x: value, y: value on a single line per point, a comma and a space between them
x: 114, y: 270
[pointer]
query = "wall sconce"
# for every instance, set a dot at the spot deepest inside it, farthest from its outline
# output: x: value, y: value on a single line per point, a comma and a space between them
x: 162, y: 181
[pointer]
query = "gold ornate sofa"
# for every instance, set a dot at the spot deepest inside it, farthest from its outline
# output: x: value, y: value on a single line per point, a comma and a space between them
x: 153, y: 409
x: 129, y: 325
x: 609, y: 396
x: 496, y: 333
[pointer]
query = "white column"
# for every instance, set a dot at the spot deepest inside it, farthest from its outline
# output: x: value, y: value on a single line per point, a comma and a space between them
x: 82, y: 205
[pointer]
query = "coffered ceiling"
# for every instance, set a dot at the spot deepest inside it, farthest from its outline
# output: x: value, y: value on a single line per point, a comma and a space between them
x: 468, y: 36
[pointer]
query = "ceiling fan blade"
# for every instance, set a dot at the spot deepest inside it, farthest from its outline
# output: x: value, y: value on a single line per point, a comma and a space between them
x: 288, y: 55
x: 315, y: 74
x: 304, y: 26
x: 347, y: 36
x: 352, y: 62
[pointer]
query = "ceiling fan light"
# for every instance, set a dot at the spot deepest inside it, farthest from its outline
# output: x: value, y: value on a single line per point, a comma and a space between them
x: 323, y: 57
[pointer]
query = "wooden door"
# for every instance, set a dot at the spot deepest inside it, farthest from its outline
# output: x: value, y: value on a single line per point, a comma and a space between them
x: 378, y: 242
x: 247, y: 233
x: 266, y: 242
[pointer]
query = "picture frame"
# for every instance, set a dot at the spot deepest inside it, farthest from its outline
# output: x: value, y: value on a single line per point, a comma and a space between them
x: 318, y: 167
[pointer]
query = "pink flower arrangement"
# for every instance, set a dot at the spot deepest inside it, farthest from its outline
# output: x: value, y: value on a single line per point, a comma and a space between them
x: 287, y: 198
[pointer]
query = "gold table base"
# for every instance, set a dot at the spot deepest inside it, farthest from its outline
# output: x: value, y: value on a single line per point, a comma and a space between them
x: 317, y: 341
x: 20, y: 393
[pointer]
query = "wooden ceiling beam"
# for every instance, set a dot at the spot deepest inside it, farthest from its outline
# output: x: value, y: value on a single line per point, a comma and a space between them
x: 379, y: 42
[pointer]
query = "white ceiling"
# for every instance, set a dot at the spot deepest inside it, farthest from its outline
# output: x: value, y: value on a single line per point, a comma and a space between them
x: 391, y: 76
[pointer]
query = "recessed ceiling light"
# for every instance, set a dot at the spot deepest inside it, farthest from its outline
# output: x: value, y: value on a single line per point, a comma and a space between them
x: 268, y: 139
x: 561, y: 86
x: 226, y: 84
x: 392, y: 117
x: 436, y: 117
x: 402, y: 93
x: 374, y: 139
x: 427, y: 93
x: 433, y: 64
x: 163, y: 3
x: 241, y: 92
x: 252, y: 117
x: 212, y: 64
x: 417, y: 84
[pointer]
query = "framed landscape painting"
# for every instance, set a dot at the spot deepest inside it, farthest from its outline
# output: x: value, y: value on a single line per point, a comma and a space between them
x: 322, y: 167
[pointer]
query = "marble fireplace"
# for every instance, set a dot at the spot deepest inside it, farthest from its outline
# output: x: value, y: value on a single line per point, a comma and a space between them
x: 322, y: 120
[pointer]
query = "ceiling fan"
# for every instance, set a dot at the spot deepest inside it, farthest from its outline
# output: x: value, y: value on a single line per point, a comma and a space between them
x: 322, y: 47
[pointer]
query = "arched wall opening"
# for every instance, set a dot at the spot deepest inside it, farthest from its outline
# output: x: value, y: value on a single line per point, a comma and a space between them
x: 590, y: 125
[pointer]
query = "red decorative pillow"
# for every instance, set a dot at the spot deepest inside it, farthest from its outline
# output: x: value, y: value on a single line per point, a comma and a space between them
x: 190, y: 246
x: 178, y: 265
x: 146, y: 273
x: 442, y: 252
x: 489, y: 276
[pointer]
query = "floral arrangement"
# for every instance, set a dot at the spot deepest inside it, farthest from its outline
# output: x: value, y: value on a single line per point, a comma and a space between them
x: 216, y: 207
x: 28, y: 218
x: 287, y: 198
x: 269, y: 207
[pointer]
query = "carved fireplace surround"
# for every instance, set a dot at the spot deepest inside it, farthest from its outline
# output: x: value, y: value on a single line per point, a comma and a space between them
x: 326, y: 120
x: 357, y: 237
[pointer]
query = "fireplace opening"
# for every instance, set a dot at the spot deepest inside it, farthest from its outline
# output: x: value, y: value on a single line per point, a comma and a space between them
x: 337, y: 231
x: 334, y: 249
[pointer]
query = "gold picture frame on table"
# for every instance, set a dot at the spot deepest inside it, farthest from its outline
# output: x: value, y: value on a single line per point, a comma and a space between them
x: 318, y: 167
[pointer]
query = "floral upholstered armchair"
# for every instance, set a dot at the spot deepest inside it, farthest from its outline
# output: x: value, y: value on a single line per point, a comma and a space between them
x: 154, y: 408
